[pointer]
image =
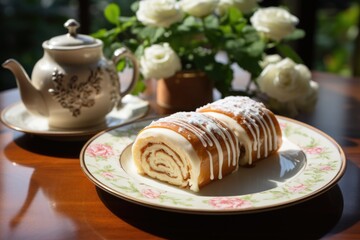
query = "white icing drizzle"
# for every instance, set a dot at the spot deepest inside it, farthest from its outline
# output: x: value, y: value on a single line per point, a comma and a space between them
x: 255, y: 142
x: 263, y: 128
x: 269, y: 133
x: 275, y: 142
x: 218, y: 147
x: 253, y: 114
x: 204, y: 128
x: 185, y: 125
x: 211, y: 165
x: 233, y: 147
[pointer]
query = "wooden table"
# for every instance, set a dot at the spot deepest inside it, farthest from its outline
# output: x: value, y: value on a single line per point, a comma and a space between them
x: 44, y: 194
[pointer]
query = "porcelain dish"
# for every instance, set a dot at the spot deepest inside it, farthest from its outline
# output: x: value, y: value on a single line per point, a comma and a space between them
x: 308, y: 164
x: 18, y: 118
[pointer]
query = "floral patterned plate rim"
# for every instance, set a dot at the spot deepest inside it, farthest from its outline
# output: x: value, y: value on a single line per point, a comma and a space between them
x: 18, y: 118
x: 308, y: 164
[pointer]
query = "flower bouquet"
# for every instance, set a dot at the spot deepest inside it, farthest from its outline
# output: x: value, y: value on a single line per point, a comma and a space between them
x: 213, y: 36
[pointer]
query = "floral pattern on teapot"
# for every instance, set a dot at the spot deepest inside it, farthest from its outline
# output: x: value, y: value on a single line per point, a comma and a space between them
x: 76, y: 93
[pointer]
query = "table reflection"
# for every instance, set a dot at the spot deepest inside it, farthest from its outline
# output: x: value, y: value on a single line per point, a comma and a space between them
x: 37, y: 193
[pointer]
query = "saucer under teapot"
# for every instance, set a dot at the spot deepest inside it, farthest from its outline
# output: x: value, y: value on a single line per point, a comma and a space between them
x: 73, y: 85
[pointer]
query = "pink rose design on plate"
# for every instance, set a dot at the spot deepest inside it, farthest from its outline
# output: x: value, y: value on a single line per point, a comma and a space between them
x: 108, y: 175
x: 297, y: 188
x: 314, y: 150
x: 325, y: 168
x: 282, y: 125
x: 229, y: 203
x: 100, y: 150
x: 150, y: 193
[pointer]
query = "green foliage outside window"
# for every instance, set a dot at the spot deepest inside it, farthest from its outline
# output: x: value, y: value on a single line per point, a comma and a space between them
x: 25, y: 24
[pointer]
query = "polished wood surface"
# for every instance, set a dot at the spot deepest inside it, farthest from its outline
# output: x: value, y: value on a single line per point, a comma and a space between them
x: 45, y: 195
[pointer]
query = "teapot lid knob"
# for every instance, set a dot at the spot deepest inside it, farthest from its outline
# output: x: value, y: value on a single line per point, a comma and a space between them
x: 72, y: 25
x: 72, y: 39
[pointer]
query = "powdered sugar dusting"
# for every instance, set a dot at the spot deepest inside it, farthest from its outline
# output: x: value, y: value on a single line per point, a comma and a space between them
x: 238, y: 105
x: 252, y: 115
x: 193, y: 118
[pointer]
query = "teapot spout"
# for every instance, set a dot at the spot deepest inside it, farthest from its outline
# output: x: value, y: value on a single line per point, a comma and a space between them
x: 30, y: 96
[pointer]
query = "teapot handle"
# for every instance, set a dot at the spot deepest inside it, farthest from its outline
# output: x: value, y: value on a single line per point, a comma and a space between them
x: 121, y: 53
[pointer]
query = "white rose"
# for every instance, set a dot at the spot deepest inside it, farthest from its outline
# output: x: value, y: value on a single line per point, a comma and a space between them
x: 159, y: 61
x: 159, y: 13
x: 270, y: 59
x: 285, y: 81
x: 274, y: 22
x: 198, y: 8
x: 223, y: 6
x: 245, y: 6
x: 308, y: 102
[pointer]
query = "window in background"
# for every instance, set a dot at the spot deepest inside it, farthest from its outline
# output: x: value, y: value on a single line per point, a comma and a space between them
x: 25, y: 24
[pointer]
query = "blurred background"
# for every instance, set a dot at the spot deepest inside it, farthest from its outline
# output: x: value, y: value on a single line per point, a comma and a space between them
x: 331, y: 44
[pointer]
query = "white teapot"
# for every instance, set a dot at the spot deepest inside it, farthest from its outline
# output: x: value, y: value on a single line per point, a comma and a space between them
x: 73, y: 85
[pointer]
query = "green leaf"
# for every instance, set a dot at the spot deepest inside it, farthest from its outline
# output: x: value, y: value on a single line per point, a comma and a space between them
x: 135, y: 6
x: 222, y: 75
x: 190, y: 21
x: 256, y: 49
x: 287, y: 51
x: 226, y: 29
x: 234, y: 15
x: 139, y: 51
x: 246, y: 55
x: 211, y: 22
x: 127, y: 22
x: 239, y: 27
x: 112, y: 13
x: 250, y: 64
x: 297, y: 34
x: 151, y: 33
x: 101, y: 33
x: 139, y: 87
x: 121, y: 65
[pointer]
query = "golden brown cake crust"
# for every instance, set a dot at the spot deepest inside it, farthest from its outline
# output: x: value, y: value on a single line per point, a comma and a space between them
x: 197, y: 128
x: 251, y: 115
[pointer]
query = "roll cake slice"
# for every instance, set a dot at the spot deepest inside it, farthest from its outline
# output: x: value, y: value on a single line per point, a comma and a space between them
x: 255, y: 126
x: 186, y: 149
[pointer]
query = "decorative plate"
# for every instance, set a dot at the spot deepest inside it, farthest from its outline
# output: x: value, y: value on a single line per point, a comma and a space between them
x: 308, y: 164
x: 18, y: 118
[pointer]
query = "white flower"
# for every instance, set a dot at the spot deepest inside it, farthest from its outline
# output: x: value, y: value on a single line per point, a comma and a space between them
x: 285, y: 81
x: 274, y: 22
x: 288, y: 86
x: 159, y: 61
x: 269, y: 59
x: 159, y: 13
x: 245, y: 6
x: 308, y: 101
x: 223, y: 6
x: 198, y: 8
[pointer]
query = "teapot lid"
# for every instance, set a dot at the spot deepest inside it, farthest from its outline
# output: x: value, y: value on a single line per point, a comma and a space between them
x: 72, y: 38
